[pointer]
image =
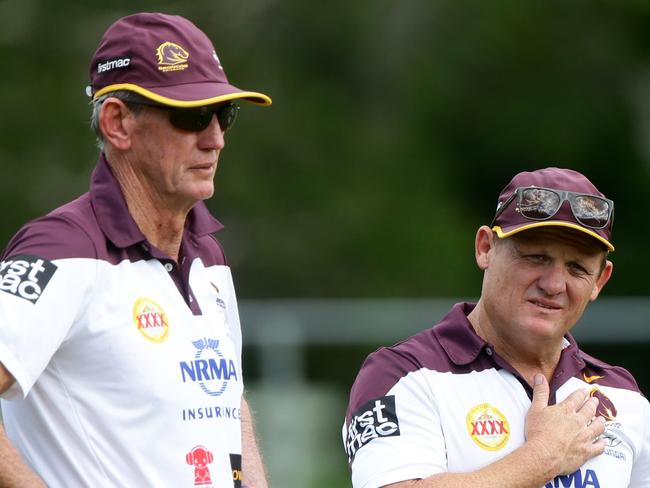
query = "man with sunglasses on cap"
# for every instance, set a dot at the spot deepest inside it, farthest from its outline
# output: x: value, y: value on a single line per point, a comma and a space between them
x: 498, y: 394
x: 120, y: 342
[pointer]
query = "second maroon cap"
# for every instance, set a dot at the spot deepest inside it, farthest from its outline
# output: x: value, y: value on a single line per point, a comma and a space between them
x: 510, y: 221
x: 165, y: 58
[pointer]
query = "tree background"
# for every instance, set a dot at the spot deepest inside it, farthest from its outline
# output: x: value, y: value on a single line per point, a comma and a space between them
x: 393, y: 129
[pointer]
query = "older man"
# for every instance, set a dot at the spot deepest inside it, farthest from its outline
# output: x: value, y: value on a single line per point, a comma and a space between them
x: 498, y: 394
x: 120, y: 340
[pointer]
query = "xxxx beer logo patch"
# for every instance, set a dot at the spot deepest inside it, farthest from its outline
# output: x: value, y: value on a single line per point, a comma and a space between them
x: 150, y: 320
x: 488, y: 427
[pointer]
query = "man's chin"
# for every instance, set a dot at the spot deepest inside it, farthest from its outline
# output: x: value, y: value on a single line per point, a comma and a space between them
x: 545, y: 329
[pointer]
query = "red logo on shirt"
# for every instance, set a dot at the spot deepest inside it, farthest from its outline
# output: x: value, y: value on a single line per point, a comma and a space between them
x: 200, y: 457
x: 150, y: 319
x: 488, y: 427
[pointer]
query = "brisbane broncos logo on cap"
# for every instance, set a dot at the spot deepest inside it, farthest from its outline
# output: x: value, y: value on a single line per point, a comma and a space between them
x: 171, y: 57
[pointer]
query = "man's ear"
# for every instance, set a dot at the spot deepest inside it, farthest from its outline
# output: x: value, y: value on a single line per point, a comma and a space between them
x: 483, y: 245
x: 602, y: 279
x: 116, y: 123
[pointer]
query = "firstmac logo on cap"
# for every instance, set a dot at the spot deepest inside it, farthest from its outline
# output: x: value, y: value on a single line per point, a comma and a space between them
x: 172, y: 57
x: 150, y: 320
x: 111, y: 64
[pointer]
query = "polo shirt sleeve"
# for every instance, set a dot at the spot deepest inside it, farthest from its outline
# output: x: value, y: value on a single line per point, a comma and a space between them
x: 43, y: 287
x: 641, y: 470
x: 392, y: 431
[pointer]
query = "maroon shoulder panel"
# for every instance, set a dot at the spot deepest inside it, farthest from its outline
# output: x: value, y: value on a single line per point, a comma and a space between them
x: 450, y: 346
x: 66, y: 232
x: 598, y: 372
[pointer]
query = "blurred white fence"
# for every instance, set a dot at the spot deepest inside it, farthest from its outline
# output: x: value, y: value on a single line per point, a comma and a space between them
x: 279, y: 328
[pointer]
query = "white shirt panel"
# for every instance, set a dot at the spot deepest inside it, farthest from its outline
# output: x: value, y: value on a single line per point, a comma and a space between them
x: 126, y: 384
x: 417, y: 452
x: 219, y: 301
x: 31, y: 332
x: 438, y: 433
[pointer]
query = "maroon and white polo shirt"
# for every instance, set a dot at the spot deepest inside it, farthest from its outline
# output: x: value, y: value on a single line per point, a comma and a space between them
x: 444, y: 401
x: 127, y: 365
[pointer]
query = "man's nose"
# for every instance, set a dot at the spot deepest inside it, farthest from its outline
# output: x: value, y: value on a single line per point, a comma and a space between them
x: 553, y: 279
x: 212, y: 137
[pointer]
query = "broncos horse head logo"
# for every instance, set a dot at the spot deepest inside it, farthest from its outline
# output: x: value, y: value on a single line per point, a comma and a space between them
x: 606, y: 407
x: 170, y: 54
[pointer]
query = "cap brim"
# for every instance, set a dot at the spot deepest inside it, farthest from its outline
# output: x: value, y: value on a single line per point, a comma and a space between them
x: 503, y: 233
x: 191, y: 95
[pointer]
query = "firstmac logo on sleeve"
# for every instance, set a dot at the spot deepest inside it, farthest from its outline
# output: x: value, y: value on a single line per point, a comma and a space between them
x: 25, y: 276
x: 376, y: 418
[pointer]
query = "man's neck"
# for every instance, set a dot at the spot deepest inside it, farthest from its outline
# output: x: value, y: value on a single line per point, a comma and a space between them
x: 161, y: 221
x: 526, y: 358
x: 162, y: 229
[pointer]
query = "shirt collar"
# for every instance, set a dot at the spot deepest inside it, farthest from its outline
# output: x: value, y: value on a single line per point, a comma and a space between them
x: 113, y: 214
x: 457, y: 337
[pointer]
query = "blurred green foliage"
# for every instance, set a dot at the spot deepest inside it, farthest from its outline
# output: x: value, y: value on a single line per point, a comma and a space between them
x: 394, y: 126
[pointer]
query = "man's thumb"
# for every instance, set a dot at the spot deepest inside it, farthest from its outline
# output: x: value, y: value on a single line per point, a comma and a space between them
x: 540, y: 391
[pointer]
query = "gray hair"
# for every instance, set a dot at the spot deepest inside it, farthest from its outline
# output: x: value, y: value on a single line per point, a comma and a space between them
x: 124, y: 95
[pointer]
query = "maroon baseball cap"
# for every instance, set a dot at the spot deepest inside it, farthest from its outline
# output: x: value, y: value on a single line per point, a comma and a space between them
x: 510, y: 219
x: 165, y: 58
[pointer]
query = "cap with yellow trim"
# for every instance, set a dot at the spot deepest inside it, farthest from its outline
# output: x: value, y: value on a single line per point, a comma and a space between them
x: 510, y: 220
x: 165, y: 58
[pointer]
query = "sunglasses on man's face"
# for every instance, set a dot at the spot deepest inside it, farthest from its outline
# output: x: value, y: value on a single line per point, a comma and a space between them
x: 197, y: 119
x: 538, y: 203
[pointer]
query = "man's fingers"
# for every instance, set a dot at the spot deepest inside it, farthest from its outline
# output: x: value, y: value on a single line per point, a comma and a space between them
x: 576, y: 401
x: 540, y: 392
x: 597, y: 427
x: 587, y: 410
x: 598, y: 445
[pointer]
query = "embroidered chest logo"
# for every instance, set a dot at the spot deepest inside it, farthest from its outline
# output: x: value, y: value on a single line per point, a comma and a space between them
x: 220, y: 302
x: 606, y: 407
x: 488, y: 427
x: 591, y: 379
x: 171, y: 57
x: 608, y: 411
x: 150, y: 320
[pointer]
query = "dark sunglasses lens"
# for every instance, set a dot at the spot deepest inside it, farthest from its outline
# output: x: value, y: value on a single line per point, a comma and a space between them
x: 192, y: 120
x: 539, y: 203
x: 226, y: 115
x: 591, y: 211
x: 198, y: 119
